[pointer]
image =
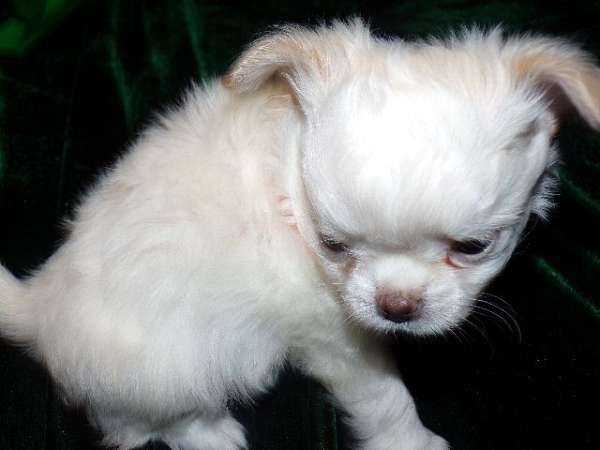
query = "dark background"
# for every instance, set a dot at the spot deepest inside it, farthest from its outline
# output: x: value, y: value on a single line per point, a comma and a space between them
x: 72, y: 101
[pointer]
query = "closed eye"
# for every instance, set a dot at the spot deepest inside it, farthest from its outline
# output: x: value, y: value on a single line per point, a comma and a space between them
x: 332, y: 244
x: 471, y: 246
x: 462, y: 253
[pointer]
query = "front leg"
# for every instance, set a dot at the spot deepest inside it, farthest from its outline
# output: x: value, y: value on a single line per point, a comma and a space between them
x: 363, y: 379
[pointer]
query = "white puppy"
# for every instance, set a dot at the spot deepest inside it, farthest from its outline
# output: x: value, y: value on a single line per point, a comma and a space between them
x: 334, y: 187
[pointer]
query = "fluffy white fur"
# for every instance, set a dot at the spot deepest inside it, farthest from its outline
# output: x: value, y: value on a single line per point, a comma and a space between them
x: 196, y: 266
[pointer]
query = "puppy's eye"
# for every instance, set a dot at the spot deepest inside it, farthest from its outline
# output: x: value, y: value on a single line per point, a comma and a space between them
x: 471, y: 247
x: 332, y: 245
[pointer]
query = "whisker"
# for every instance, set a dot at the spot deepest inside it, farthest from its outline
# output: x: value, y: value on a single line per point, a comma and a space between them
x: 480, y: 330
x: 499, y: 314
x: 508, y: 314
x: 498, y: 299
x: 491, y: 314
x: 454, y: 333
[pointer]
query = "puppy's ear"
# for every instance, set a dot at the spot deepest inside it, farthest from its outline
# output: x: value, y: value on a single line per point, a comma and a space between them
x: 567, y: 75
x: 289, y: 52
x: 309, y: 60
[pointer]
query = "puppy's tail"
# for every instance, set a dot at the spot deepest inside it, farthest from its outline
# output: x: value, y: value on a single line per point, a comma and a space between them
x: 15, y: 310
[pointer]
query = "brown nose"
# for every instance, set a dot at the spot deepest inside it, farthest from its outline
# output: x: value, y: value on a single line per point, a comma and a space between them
x: 397, y: 306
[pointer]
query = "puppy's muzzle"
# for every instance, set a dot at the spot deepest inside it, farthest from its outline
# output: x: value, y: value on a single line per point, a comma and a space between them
x: 398, y: 306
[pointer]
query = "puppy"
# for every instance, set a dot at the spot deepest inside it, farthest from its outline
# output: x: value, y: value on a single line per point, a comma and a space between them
x: 333, y: 188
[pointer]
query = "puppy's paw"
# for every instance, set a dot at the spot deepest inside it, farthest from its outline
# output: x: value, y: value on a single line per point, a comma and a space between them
x: 422, y: 441
x: 437, y: 443
x: 208, y: 434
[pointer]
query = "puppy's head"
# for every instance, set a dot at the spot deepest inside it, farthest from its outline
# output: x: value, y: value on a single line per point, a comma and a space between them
x: 421, y: 163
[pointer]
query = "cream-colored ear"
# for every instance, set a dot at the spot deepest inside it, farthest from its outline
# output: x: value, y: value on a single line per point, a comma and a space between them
x: 567, y: 75
x: 308, y: 59
x: 287, y: 52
